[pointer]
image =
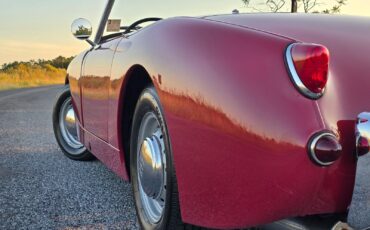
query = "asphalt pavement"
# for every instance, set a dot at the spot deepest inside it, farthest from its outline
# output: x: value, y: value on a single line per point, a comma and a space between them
x: 40, y: 188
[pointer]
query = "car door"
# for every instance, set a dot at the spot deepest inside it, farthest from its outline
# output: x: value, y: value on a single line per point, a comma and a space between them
x: 94, y: 84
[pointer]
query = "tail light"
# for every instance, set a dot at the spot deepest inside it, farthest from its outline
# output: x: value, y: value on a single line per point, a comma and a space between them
x: 309, y: 67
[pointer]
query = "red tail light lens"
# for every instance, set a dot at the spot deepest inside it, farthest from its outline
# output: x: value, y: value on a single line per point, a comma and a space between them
x: 309, y: 67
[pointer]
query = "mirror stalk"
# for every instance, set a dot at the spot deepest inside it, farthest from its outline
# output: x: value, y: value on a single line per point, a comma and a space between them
x: 93, y: 44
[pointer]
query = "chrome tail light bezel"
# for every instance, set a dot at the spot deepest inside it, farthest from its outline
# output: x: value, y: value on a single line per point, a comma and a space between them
x: 297, y: 82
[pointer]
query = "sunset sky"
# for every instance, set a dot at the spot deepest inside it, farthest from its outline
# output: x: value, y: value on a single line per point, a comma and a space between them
x: 33, y: 29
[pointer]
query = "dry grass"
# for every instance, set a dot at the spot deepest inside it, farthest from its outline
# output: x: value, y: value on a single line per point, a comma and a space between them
x: 31, y: 76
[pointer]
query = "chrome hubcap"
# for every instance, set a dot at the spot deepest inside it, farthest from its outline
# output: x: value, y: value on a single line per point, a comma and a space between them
x: 151, y: 165
x: 68, y: 125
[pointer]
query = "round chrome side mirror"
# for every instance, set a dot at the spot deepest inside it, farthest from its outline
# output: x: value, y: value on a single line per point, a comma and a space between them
x: 81, y: 29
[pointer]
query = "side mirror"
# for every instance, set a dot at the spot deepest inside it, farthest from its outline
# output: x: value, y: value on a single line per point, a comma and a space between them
x: 82, y: 30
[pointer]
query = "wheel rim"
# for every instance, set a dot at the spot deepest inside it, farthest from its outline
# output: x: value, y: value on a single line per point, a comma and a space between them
x: 151, y: 167
x: 68, y: 125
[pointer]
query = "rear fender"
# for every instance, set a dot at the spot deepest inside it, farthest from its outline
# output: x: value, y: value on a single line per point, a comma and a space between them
x: 238, y: 127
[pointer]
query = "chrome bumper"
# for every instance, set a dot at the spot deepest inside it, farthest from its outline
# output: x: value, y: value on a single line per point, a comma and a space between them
x: 359, y: 211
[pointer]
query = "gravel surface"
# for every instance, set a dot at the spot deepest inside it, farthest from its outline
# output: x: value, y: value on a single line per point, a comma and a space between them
x: 359, y: 215
x: 42, y: 189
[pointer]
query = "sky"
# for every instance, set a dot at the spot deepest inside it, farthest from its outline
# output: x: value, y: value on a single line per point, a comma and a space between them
x: 40, y: 29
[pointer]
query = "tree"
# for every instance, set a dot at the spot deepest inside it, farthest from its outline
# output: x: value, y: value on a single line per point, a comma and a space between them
x: 335, y: 9
x: 307, y: 5
x: 294, y: 8
x: 274, y: 5
x: 82, y: 31
x: 61, y: 62
x: 58, y: 62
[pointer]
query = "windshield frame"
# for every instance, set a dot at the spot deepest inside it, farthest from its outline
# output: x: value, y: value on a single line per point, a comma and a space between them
x: 103, y: 21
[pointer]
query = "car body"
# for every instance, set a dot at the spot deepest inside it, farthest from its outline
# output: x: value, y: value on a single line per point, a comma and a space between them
x: 238, y: 127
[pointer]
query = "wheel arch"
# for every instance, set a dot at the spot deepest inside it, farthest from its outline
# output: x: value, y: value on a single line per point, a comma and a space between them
x: 66, y: 81
x: 136, y: 80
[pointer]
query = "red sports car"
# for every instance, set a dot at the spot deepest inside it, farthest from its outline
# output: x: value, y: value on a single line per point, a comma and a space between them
x: 227, y: 121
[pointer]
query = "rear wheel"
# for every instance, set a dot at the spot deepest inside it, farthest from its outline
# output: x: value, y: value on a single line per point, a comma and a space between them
x: 151, y: 166
x: 65, y: 128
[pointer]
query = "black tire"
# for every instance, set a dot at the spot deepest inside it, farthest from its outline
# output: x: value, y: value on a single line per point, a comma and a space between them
x: 171, y: 218
x: 80, y: 153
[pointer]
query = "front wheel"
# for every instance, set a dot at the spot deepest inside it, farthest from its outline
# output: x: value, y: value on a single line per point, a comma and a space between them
x: 65, y: 128
x: 151, y: 166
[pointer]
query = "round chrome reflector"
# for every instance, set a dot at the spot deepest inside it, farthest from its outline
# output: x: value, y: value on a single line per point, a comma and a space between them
x: 324, y: 149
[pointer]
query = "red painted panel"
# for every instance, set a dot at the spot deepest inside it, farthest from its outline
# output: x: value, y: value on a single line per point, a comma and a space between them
x: 95, y: 83
x: 237, y: 125
x: 74, y: 74
x: 106, y: 153
x: 347, y: 90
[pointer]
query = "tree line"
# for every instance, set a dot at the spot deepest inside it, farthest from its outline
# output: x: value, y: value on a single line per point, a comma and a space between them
x: 307, y: 6
x: 59, y: 62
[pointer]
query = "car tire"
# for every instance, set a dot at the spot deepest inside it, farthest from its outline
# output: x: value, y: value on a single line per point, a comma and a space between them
x: 148, y: 120
x: 65, y: 128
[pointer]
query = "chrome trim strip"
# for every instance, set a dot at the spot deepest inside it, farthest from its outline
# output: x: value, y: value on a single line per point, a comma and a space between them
x: 295, y: 78
x: 312, y: 145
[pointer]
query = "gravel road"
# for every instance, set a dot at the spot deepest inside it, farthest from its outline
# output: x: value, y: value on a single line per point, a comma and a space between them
x: 42, y: 189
